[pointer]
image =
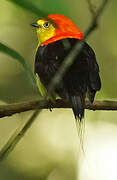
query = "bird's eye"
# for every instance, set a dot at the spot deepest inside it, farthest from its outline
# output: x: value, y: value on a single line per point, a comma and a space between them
x: 46, y: 24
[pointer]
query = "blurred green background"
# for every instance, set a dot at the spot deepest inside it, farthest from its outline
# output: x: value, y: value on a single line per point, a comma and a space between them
x: 50, y: 149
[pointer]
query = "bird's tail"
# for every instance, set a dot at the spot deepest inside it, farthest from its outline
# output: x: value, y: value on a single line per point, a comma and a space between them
x: 78, y: 103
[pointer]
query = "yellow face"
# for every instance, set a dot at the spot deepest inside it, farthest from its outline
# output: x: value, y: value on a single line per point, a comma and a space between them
x: 45, y: 30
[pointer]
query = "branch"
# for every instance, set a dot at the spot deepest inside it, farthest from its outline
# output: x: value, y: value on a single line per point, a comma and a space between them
x: 91, y: 7
x: 16, y: 136
x: 8, y: 110
x: 95, y: 17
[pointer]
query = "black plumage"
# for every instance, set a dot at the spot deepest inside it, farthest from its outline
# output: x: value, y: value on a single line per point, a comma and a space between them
x: 81, y: 78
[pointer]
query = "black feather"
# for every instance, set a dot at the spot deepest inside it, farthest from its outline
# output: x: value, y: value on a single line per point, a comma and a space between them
x: 78, y: 104
x: 81, y: 78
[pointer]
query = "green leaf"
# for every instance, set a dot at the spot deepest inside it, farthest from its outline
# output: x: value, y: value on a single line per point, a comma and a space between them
x: 15, y: 55
x: 28, y: 5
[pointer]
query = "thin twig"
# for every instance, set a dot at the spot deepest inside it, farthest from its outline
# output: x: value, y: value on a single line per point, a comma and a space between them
x: 91, y: 7
x: 95, y: 19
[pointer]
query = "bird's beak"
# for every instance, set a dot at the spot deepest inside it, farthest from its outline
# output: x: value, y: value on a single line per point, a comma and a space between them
x: 34, y: 24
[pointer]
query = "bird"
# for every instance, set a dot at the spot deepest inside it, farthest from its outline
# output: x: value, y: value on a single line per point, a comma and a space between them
x: 57, y: 35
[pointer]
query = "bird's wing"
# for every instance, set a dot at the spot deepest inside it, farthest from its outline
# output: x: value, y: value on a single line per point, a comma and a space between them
x: 94, y: 82
x: 83, y: 75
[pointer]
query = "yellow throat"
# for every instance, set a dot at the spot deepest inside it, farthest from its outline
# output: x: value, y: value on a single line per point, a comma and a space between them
x: 45, y: 31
